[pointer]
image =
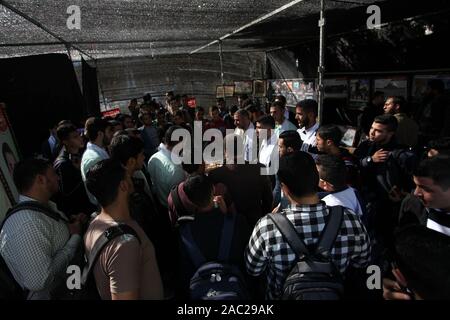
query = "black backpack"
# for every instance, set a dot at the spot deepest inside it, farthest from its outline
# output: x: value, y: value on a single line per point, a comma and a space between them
x: 9, y: 288
x: 88, y: 289
x: 214, y: 280
x: 314, y: 276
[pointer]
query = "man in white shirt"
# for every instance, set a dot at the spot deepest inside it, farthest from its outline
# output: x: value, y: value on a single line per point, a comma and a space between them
x: 268, y: 140
x: 246, y: 130
x: 332, y: 174
x: 99, y: 134
x: 277, y: 111
x: 306, y: 115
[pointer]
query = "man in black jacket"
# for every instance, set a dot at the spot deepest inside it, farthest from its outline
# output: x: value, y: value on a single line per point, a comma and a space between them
x: 72, y: 198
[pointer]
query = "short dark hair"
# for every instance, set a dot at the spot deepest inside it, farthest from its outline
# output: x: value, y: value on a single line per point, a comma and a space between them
x: 291, y: 139
x: 267, y: 120
x: 25, y: 172
x: 400, y: 101
x: 332, y: 169
x: 330, y: 132
x: 277, y: 104
x: 103, y: 180
x: 388, y: 120
x: 93, y: 126
x: 422, y: 257
x: 199, y: 190
x: 124, y: 147
x: 281, y: 98
x: 298, y: 172
x: 437, y: 84
x: 63, y: 132
x: 442, y: 145
x: 437, y: 169
x: 220, y: 100
x: 142, y: 114
x: 244, y: 113
x: 251, y: 108
x: 308, y: 105
x: 234, y: 109
x: 180, y: 114
x: 168, y: 136
x: 214, y: 108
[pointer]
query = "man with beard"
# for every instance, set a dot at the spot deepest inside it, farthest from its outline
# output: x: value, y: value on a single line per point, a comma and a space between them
x: 306, y: 115
x: 99, y: 134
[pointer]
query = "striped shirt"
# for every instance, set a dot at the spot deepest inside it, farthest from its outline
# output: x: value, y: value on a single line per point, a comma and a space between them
x: 268, y: 252
x: 37, y: 249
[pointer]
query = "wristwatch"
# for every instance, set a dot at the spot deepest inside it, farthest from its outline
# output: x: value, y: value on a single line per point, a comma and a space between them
x: 369, y: 159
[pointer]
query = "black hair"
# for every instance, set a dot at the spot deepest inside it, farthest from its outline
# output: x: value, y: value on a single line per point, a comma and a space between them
x: 277, y: 104
x: 267, y: 121
x: 123, y: 147
x: 25, y: 172
x: 291, y: 139
x: 298, y: 172
x: 442, y: 145
x: 244, y: 113
x: 308, y: 105
x: 168, y: 136
x: 330, y: 132
x: 214, y: 108
x: 332, y: 170
x: 142, y: 114
x: 422, y: 255
x: 437, y: 169
x: 199, y: 189
x: 103, y: 180
x: 234, y: 109
x: 281, y: 98
x: 400, y: 101
x: 93, y: 126
x: 63, y: 132
x: 388, y: 120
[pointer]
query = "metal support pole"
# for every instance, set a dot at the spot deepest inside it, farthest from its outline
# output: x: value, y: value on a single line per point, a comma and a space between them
x: 221, y: 62
x: 321, y: 69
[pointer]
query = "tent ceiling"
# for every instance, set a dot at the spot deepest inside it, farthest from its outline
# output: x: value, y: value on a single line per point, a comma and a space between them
x: 113, y: 28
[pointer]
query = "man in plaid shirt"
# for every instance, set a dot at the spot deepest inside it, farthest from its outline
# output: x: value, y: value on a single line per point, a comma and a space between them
x: 268, y: 251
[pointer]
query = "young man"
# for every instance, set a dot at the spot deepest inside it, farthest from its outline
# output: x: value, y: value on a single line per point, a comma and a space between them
x: 268, y: 143
x: 37, y: 248
x: 72, y: 198
x: 216, y: 121
x: 306, y: 115
x: 267, y: 249
x: 149, y: 135
x: 332, y: 174
x: 288, y: 142
x: 407, y: 131
x: 328, y: 140
x: 99, y: 134
x: 421, y: 266
x: 281, y: 123
x: 164, y: 173
x: 126, y: 268
x: 208, y: 212
x: 246, y: 130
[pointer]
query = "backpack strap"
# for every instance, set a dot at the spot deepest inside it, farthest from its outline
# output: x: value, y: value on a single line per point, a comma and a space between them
x: 109, y: 234
x: 290, y: 234
x: 330, y: 231
x: 226, y: 238
x: 192, y: 249
x: 34, y: 206
x: 181, y: 210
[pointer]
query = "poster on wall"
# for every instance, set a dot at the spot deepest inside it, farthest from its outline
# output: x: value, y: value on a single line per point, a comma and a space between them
x: 8, y: 159
x: 420, y: 83
x: 229, y: 90
x: 294, y: 90
x: 396, y: 86
x: 336, y: 88
x: 259, y: 88
x: 243, y: 87
x: 220, y: 92
x: 359, y: 92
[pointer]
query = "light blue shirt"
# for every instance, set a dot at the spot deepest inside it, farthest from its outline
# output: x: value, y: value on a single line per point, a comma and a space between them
x: 93, y: 155
x: 285, y: 126
x: 164, y: 173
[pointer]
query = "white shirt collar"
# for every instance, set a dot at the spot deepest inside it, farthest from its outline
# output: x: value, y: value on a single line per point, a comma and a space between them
x: 102, y: 152
x: 311, y: 129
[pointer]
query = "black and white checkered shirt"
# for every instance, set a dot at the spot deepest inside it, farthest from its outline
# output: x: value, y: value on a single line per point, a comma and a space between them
x: 268, y: 251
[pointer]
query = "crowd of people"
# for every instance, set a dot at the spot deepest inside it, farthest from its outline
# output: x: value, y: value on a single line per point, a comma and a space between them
x: 393, y: 189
